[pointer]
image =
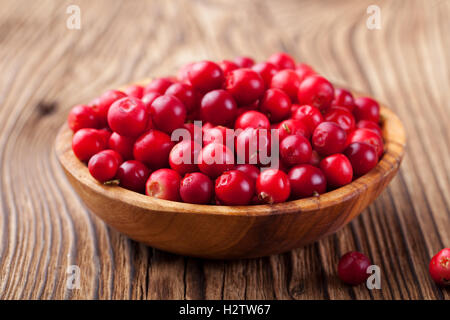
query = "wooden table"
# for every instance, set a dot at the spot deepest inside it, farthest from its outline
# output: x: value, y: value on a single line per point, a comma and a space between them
x: 46, y: 68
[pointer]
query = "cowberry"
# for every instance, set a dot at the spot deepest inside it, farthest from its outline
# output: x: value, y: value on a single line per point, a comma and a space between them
x: 367, y: 124
x: 306, y: 181
x: 183, y: 156
x: 158, y: 85
x: 250, y: 170
x: 196, y: 188
x: 343, y: 98
x: 123, y: 145
x: 352, y: 268
x: 205, y: 76
x: 440, y: 267
x: 288, y: 81
x: 253, y: 146
x: 218, y: 107
x: 234, y: 188
x: 316, y: 91
x: 153, y: 148
x: 337, y: 170
x: 214, y: 159
x: 342, y: 117
x: 168, y: 113
x: 219, y: 134
x: 244, y: 62
x: 185, y: 93
x: 194, y: 132
x: 227, y: 66
x: 282, y: 61
x: 366, y: 109
x: 128, y: 117
x: 276, y: 105
x: 102, y: 104
x: 148, y: 99
x: 329, y: 138
x: 362, y: 156
x: 266, y: 70
x: 272, y: 186
x: 135, y: 91
x: 132, y: 175
x: 103, y: 165
x: 164, y: 184
x: 182, y: 74
x: 290, y: 127
x: 87, y: 142
x: 294, y: 150
x: 369, y: 136
x: 310, y: 116
x: 252, y: 119
x: 245, y: 85
x: 82, y: 116
x: 315, y: 159
x: 303, y: 70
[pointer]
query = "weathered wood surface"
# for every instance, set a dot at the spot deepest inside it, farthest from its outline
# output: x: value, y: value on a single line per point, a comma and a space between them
x: 46, y: 68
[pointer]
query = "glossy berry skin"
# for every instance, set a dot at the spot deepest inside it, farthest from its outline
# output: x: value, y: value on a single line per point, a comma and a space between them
x: 337, y: 170
x: 352, y: 268
x: 315, y: 159
x: 440, y: 267
x: 164, y: 184
x: 103, y: 165
x: 329, y: 138
x: 219, y: 134
x: 252, y: 119
x: 342, y: 117
x: 218, y: 107
x: 182, y: 74
x: 276, y: 105
x: 310, y: 116
x: 272, y: 186
x: 183, y: 156
x: 195, y: 132
x: 121, y: 144
x: 132, y: 175
x: 249, y: 170
x: 288, y: 81
x: 303, y: 70
x: 367, y: 124
x: 282, y: 61
x: 369, y: 136
x: 135, y: 91
x: 87, y: 142
x: 128, y: 117
x: 362, y: 156
x: 168, y: 113
x: 148, y: 99
x: 292, y: 127
x: 306, y: 181
x: 294, y: 150
x: 266, y: 70
x: 196, y: 188
x: 205, y: 76
x: 185, y: 93
x: 214, y: 159
x: 234, y: 188
x: 158, y: 85
x: 102, y: 104
x: 82, y: 116
x: 245, y: 85
x: 366, y: 109
x: 227, y: 66
x: 244, y: 62
x: 253, y: 146
x: 343, y: 98
x: 316, y: 91
x: 153, y: 148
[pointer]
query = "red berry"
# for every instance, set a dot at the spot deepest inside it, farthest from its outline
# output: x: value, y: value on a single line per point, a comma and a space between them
x: 306, y: 181
x: 185, y: 93
x: 164, y: 184
x: 244, y: 62
x: 290, y: 127
x: 316, y: 91
x: 219, y: 134
x: 182, y: 74
x: 153, y: 148
x: 196, y: 188
x: 103, y: 165
x: 303, y: 70
x: 87, y: 142
x: 158, y: 85
x: 337, y: 170
x: 132, y: 175
x: 252, y: 119
x: 135, y: 91
x: 102, y: 105
x: 168, y: 113
x: 250, y: 170
x: 295, y: 149
x: 148, y: 99
x: 366, y: 109
x: 218, y: 107
x: 227, y: 66
x: 329, y: 138
x: 128, y: 117
x: 276, y: 105
x: 310, y: 116
x: 342, y: 117
x: 253, y: 146
x: 195, y: 132
x: 105, y: 134
x: 205, y: 76
x: 352, y: 268
x: 214, y: 159
x: 315, y: 159
x: 369, y: 136
x: 343, y: 98
x: 234, y: 188
x: 272, y: 186
x: 282, y: 61
x: 82, y: 116
x: 266, y: 70
x: 288, y: 81
x: 440, y: 267
x: 245, y: 85
x: 362, y: 156
x: 183, y: 156
x: 123, y: 145
x: 367, y: 124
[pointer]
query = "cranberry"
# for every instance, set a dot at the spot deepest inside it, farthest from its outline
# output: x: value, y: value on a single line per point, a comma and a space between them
x: 218, y: 107
x: 245, y: 85
x: 329, y: 138
x: 153, y: 148
x: 367, y: 124
x: 148, y: 99
x: 234, y: 188
x: 105, y: 101
x: 128, y: 117
x: 250, y: 170
x: 244, y: 62
x: 185, y: 93
x: 168, y: 113
x: 288, y: 81
x: 290, y: 127
x: 366, y: 109
x: 362, y: 156
x: 266, y: 70
x: 183, y: 156
x: 303, y: 70
x: 306, y: 181
x: 253, y: 146
x: 206, y: 76
x: 440, y: 267
x: 214, y: 159
x: 164, y: 184
x: 82, y: 116
x: 272, y: 186
x: 87, y: 142
x: 135, y: 91
x: 158, y: 85
x: 195, y: 132
x: 276, y: 105
x: 295, y: 149
x: 227, y: 66
x: 219, y: 134
x: 337, y: 170
x: 342, y: 117
x: 315, y: 159
x: 182, y: 74
x: 121, y: 144
x: 103, y: 165
x: 196, y: 188
x: 369, y: 136
x: 282, y: 61
x: 343, y: 98
x: 105, y: 134
x: 310, y: 116
x: 316, y: 91
x: 252, y: 119
x: 253, y: 107
x: 352, y: 268
x: 132, y: 175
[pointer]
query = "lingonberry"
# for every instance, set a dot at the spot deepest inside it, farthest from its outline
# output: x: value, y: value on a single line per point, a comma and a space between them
x: 219, y: 134
x: 306, y: 181
x: 168, y: 113
x: 252, y: 107
x: 362, y: 156
x: 342, y: 117
x: 291, y: 126
x: 82, y: 116
x: 244, y: 62
x: 310, y: 116
x: 234, y: 188
x: 316, y: 91
x: 343, y: 98
x: 295, y: 149
x: 195, y: 132
x: 282, y: 61
x: 250, y: 170
x: 367, y: 124
x: 164, y: 184
x: 123, y: 145
x: 252, y: 119
x: 288, y: 81
x: 272, y: 186
x: 366, y: 109
x: 135, y: 91
x: 183, y: 157
x: 185, y: 93
x: 105, y: 134
x: 245, y: 85
x: 128, y: 117
x: 86, y: 142
x: 214, y: 159
x: 352, y: 268
x: 196, y: 188
x: 182, y: 74
x: 218, y: 107
x: 303, y: 70
x: 153, y: 148
x: 253, y: 146
x: 205, y: 76
x: 227, y: 66
x: 266, y: 70
x: 159, y: 85
x: 315, y: 159
x: 440, y: 267
x: 103, y: 165
x: 102, y: 104
x: 276, y: 105
x: 148, y: 99
x: 329, y: 138
x: 132, y: 175
x: 337, y: 170
x: 369, y: 136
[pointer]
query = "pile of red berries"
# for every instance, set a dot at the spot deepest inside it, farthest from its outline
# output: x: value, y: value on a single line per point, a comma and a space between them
x: 267, y: 132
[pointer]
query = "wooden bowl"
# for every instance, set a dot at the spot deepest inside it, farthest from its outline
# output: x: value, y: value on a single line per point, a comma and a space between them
x: 225, y: 232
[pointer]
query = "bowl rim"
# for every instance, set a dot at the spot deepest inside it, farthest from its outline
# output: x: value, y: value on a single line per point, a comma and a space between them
x: 394, y: 148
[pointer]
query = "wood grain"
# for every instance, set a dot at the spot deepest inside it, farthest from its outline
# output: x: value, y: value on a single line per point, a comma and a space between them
x: 47, y: 68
